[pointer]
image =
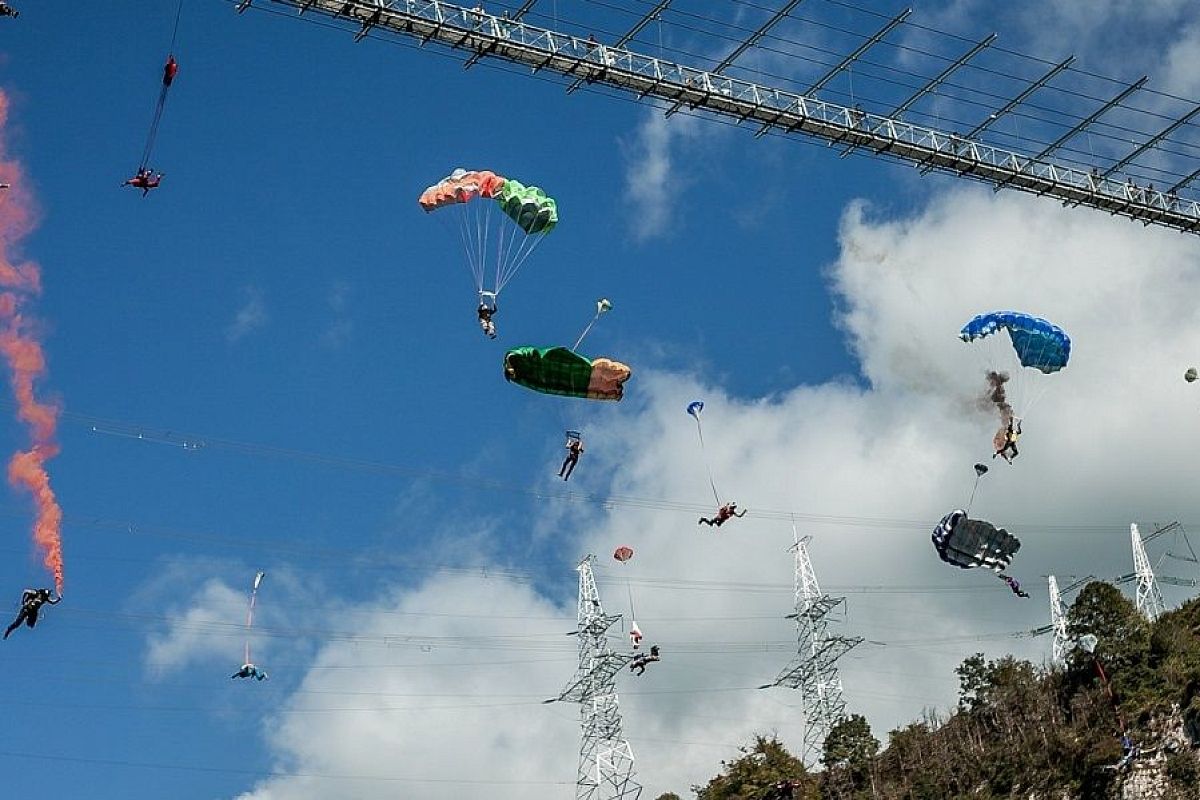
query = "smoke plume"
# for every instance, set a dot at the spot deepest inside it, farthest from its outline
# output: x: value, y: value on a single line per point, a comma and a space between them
x: 996, y: 396
x: 20, y: 283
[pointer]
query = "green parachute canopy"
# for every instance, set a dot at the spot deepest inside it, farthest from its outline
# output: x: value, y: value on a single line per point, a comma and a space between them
x: 560, y: 370
x: 533, y: 210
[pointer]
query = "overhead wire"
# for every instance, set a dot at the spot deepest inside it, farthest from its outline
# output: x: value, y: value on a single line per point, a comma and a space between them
x: 196, y: 442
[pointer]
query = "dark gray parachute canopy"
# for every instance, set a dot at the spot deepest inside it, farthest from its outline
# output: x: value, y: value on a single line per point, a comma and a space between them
x: 969, y: 543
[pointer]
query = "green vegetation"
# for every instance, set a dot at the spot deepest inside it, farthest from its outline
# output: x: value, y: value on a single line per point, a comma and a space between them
x: 1021, y: 730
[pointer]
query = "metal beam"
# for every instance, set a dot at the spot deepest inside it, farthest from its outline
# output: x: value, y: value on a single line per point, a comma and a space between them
x: 523, y: 10
x: 899, y: 110
x: 1016, y: 101
x: 642, y: 23
x: 629, y: 34
x: 1022, y: 97
x: 1167, y: 131
x: 1179, y: 186
x: 778, y: 109
x: 1128, y: 90
x: 516, y: 15
x: 862, y: 48
x: 369, y: 23
x: 748, y: 43
x: 758, y: 34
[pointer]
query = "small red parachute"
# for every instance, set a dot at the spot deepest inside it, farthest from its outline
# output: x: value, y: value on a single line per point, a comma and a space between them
x: 623, y: 553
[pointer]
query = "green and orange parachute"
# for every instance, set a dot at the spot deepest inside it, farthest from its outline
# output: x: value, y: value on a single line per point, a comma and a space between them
x: 560, y: 370
x: 467, y: 199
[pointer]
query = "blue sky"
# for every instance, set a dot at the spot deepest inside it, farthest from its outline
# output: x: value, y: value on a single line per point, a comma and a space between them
x: 284, y: 290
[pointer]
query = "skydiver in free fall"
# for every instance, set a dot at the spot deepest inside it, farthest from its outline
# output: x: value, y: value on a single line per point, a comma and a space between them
x: 32, y: 601
x: 8, y: 11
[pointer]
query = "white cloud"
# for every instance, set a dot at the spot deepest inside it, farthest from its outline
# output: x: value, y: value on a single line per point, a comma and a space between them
x: 455, y: 698
x: 340, y: 328
x: 250, y: 316
x: 206, y: 617
x: 872, y: 465
x: 651, y: 183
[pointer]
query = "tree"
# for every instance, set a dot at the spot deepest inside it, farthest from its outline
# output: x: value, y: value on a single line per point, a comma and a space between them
x: 755, y: 774
x: 849, y: 748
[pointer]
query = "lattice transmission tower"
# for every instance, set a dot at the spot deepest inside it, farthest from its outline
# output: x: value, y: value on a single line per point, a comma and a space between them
x: 1149, y: 599
x: 814, y: 670
x: 1058, y: 624
x: 606, y: 763
x: 1158, y: 150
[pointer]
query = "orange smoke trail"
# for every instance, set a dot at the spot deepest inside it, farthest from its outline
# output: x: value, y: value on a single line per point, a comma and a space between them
x: 21, y: 281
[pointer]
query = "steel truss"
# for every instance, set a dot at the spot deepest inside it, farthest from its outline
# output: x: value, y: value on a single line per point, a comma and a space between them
x: 814, y: 670
x: 606, y: 763
x: 511, y: 39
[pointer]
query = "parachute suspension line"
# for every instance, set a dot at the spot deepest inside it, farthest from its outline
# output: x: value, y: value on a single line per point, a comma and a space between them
x: 707, y: 465
x: 506, y: 238
x: 152, y: 136
x: 1033, y: 396
x: 175, y: 31
x: 483, y: 231
x: 250, y: 615
x: 469, y: 249
x: 524, y: 251
x: 975, y: 488
x: 599, y: 310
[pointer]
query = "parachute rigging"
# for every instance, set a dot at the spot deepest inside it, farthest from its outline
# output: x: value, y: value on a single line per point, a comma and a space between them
x: 250, y: 615
x: 623, y: 554
x: 980, y: 471
x: 1033, y: 345
x: 145, y: 179
x: 694, y: 408
x: 603, y: 306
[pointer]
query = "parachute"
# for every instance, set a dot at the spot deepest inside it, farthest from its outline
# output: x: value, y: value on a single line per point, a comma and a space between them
x: 694, y: 408
x: 1037, y: 343
x: 493, y: 253
x: 969, y: 543
x: 623, y: 554
x: 558, y: 370
x: 1033, y: 346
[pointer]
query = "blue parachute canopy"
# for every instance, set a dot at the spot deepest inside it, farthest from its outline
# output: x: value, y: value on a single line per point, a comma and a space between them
x: 968, y: 543
x: 1038, y: 343
x: 695, y: 407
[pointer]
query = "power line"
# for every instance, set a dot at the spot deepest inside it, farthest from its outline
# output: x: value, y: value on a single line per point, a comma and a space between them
x: 113, y: 762
x: 198, y: 443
